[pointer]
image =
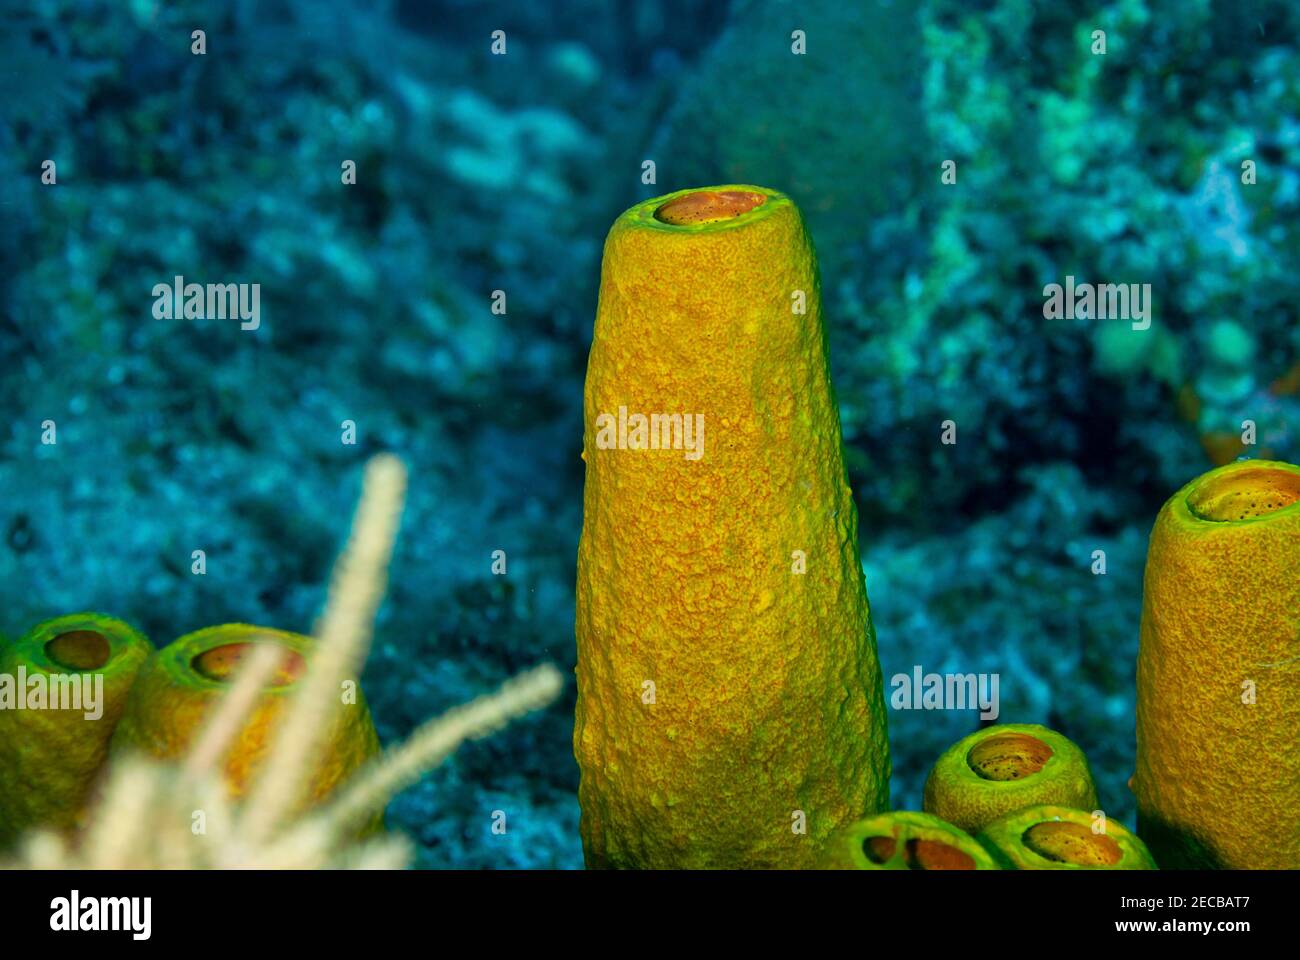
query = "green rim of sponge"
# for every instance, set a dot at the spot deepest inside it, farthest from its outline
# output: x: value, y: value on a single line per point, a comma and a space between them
x: 1051, y: 837
x: 50, y: 759
x: 905, y: 840
x: 179, y: 688
x: 1004, y: 768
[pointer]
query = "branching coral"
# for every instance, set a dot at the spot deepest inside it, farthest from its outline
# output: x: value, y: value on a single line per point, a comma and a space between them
x: 154, y: 814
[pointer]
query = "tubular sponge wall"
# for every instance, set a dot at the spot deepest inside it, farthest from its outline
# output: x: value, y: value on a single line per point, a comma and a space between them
x: 730, y: 707
x: 1218, y: 714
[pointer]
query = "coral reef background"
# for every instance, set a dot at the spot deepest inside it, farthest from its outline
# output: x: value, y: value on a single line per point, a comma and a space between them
x: 478, y: 173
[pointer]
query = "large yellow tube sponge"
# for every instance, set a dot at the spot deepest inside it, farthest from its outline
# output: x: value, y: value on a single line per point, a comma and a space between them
x: 178, y: 689
x: 730, y: 709
x: 63, y: 686
x: 1218, y: 681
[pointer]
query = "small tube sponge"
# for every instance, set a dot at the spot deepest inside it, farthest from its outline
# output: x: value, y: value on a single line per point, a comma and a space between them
x: 904, y: 840
x: 1217, y: 781
x: 177, y: 691
x: 1007, y: 767
x: 1049, y: 837
x: 50, y: 758
x: 730, y: 705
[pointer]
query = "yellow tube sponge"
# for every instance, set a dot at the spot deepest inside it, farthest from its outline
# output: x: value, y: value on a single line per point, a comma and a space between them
x: 63, y: 686
x: 730, y: 709
x: 180, y: 686
x: 1218, y: 678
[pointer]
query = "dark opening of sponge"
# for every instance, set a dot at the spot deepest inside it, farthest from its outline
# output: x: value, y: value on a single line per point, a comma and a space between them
x: 1065, y: 842
x: 708, y: 206
x: 918, y: 854
x: 1008, y: 756
x: 79, y: 650
x: 878, y: 849
x: 1245, y: 494
x: 936, y: 855
x: 221, y: 663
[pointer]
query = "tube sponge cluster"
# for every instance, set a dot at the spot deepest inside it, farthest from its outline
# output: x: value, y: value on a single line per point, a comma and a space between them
x: 728, y: 688
x: 1040, y: 837
x: 153, y: 702
x: 1027, y: 795
x: 730, y: 709
x: 1218, y: 707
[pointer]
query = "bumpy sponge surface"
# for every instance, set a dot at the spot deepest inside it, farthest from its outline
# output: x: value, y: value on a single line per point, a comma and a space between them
x: 1218, y: 681
x: 50, y: 758
x: 730, y: 709
x: 178, y: 689
x: 1007, y: 767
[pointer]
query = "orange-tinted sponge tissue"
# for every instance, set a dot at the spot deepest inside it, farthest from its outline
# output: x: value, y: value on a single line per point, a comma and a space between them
x: 730, y: 709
